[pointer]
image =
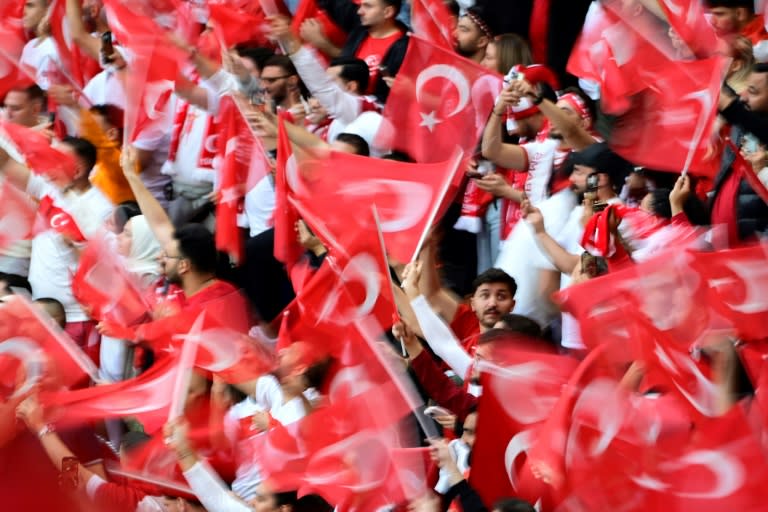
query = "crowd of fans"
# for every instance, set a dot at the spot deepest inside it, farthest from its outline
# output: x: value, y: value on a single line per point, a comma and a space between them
x: 512, y: 235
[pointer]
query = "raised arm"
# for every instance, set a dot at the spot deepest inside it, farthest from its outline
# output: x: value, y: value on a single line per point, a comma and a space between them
x: 562, y: 259
x: 158, y: 220
x: 443, y: 301
x: 510, y: 156
x: 89, y: 44
x: 14, y: 172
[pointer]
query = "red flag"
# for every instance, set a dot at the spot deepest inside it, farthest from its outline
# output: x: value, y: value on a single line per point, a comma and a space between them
x: 103, y: 285
x: 735, y: 283
x: 17, y: 215
x: 242, y: 161
x: 688, y: 19
x: 660, y: 132
x: 65, y: 362
x: 234, y: 26
x: 11, y: 45
x: 146, y: 397
x: 508, y: 424
x: 79, y: 68
x: 287, y: 248
x: 34, y: 150
x: 338, y: 186
x: 308, y: 9
x: 432, y: 20
x: 439, y: 101
x: 59, y: 220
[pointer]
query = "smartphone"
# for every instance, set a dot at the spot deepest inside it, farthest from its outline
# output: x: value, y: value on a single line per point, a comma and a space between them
x: 474, y: 175
x: 593, y: 181
x: 69, y: 475
x: 435, y: 410
x: 107, y: 50
x: 593, y: 266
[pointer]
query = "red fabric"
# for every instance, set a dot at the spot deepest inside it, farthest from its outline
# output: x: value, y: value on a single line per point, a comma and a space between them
x: 746, y: 171
x: 103, y: 285
x: 53, y: 217
x: 538, y: 30
x: 12, y: 39
x: 287, y: 248
x: 651, y: 134
x: 77, y: 66
x: 372, y: 51
x: 507, y: 428
x: 735, y: 283
x: 432, y: 20
x: 147, y: 397
x: 440, y: 387
x: 438, y: 101
x: 511, y: 212
x: 465, y: 324
x: 116, y: 497
x: 234, y: 26
x: 239, y: 152
x: 476, y: 201
x: 17, y: 215
x: 407, y: 196
x: 724, y: 207
x: 36, y: 152
x: 308, y: 9
x: 755, y: 30
x: 19, y: 318
x: 85, y: 335
x: 688, y: 20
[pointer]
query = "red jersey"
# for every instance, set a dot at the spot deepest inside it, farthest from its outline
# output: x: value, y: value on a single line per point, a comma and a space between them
x: 372, y: 51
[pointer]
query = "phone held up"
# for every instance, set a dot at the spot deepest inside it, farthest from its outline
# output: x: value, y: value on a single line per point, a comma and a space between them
x: 69, y: 475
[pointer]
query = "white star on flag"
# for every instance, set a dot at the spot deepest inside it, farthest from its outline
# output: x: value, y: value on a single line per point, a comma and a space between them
x: 429, y: 120
x: 229, y: 195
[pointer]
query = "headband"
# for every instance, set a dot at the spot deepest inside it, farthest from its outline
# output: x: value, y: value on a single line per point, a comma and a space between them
x: 483, y: 26
x: 575, y: 101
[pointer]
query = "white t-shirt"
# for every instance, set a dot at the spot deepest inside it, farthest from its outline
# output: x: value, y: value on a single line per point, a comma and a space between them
x: 54, y: 262
x: 259, y: 206
x: 185, y: 167
x: 41, y: 55
x: 521, y: 257
x: 105, y: 89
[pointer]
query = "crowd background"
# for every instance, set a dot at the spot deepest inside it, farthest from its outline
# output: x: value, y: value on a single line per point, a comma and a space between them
x: 376, y: 255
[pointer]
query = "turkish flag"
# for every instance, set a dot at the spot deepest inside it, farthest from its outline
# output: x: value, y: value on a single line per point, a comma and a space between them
x: 664, y: 289
x: 79, y: 68
x: 104, y: 285
x: 153, y: 66
x: 146, y: 397
x: 735, y: 284
x: 34, y: 150
x: 12, y: 39
x: 61, y: 359
x: 287, y: 248
x: 508, y: 424
x: 438, y: 101
x: 338, y: 186
x: 432, y: 20
x: 688, y: 18
x: 242, y: 160
x: 17, y: 215
x: 53, y: 217
x: 308, y: 9
x: 657, y: 132
x: 234, y: 26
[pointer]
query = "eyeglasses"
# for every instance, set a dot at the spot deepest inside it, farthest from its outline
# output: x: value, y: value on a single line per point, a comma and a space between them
x: 273, y: 79
x: 165, y: 256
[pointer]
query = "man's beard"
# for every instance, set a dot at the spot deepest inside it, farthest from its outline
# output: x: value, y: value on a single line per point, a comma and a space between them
x: 465, y: 52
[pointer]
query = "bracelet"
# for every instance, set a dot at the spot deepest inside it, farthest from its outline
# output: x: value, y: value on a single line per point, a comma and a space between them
x: 493, y: 111
x: 47, y: 429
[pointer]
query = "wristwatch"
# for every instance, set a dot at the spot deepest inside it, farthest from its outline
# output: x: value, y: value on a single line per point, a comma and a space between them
x: 47, y: 429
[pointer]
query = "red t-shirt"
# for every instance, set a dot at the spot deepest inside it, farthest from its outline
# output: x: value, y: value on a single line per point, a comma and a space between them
x: 466, y: 327
x: 372, y: 51
x: 724, y: 208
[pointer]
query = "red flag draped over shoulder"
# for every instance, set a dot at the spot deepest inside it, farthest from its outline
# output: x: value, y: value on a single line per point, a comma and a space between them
x: 438, y: 101
x: 339, y: 187
x: 242, y: 161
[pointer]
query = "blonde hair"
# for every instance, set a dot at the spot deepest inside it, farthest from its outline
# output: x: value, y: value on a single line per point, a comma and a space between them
x: 741, y: 52
x: 511, y: 49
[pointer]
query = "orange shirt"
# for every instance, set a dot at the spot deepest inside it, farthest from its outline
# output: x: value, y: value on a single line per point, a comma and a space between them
x: 107, y: 174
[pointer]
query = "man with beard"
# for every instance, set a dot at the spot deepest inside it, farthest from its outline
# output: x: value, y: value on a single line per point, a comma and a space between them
x: 562, y: 248
x: 472, y: 34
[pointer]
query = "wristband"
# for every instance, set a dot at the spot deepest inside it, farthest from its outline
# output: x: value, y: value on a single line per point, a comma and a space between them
x: 47, y: 429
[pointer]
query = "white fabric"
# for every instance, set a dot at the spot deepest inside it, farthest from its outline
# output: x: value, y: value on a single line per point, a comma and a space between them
x: 41, y: 55
x: 259, y: 206
x: 440, y: 337
x: 142, y: 262
x: 543, y: 156
x: 105, y: 88
x: 520, y: 256
x: 217, y: 85
x: 54, y: 262
x: 112, y: 355
x: 460, y: 453
x: 14, y: 259
x: 247, y: 475
x: 92, y: 485
x: 366, y: 125
x: 211, y: 490
x: 185, y: 169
